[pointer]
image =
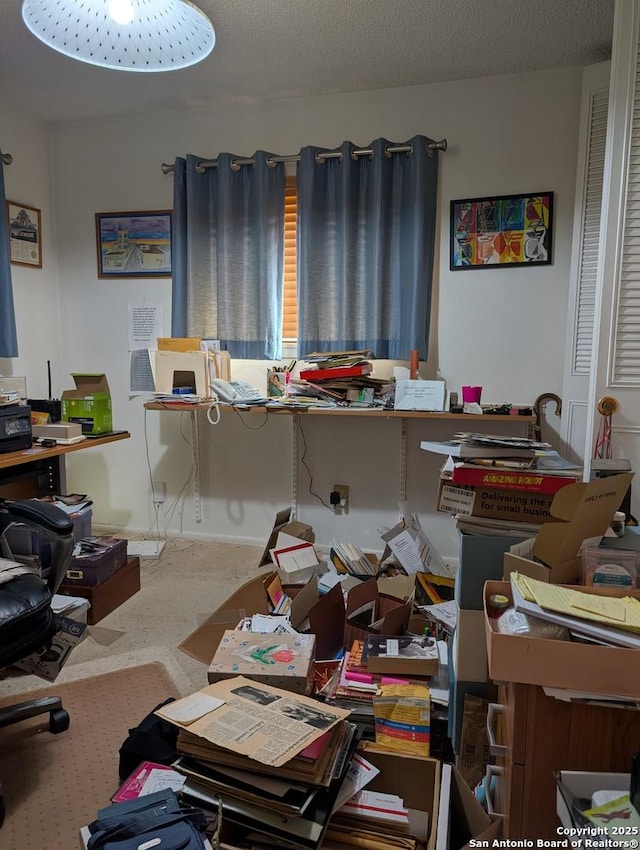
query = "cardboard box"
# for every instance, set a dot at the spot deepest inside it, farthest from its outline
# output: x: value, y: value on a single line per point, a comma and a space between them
x: 57, y: 430
x: 583, y: 784
x: 413, y: 549
x: 561, y: 664
x: 109, y: 595
x: 284, y: 523
x: 282, y: 661
x: 185, y: 369
x: 514, y: 505
x: 89, y: 403
x: 371, y: 612
x: 470, y: 647
x: 416, y: 780
x: 461, y: 818
x: 583, y: 512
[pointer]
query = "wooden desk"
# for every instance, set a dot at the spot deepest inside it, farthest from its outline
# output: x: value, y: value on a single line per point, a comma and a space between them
x: 39, y: 470
x: 403, y: 416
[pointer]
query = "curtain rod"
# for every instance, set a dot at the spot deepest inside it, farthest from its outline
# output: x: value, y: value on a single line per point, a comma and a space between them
x: 212, y: 163
x: 6, y: 158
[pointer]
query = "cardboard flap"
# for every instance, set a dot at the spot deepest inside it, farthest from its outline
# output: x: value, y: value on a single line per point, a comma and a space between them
x: 249, y: 599
x: 294, y: 528
x: 585, y: 510
x: 303, y: 602
x: 363, y: 594
x: 326, y: 619
x: 402, y: 587
x: 396, y: 619
x: 467, y: 817
x: 87, y: 384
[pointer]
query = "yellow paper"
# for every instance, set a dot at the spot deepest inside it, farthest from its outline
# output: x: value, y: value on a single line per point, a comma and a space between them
x: 609, y: 611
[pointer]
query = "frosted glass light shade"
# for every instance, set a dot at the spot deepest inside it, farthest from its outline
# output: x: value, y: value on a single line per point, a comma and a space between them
x: 126, y: 35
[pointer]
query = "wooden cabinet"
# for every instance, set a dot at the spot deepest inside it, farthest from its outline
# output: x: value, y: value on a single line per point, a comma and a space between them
x: 536, y: 736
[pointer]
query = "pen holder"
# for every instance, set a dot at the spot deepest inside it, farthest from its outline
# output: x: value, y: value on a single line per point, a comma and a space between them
x: 277, y: 383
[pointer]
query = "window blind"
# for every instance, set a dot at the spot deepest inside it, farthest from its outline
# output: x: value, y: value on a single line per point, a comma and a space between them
x: 290, y: 283
x: 590, y: 236
x: 626, y: 356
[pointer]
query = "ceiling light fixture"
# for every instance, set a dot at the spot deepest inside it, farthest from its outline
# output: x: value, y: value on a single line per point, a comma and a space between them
x: 125, y: 35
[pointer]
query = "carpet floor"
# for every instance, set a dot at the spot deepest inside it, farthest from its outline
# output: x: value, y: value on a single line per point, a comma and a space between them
x: 53, y: 784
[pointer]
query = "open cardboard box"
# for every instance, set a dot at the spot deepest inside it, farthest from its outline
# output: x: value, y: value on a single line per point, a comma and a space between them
x: 366, y: 605
x: 461, y: 818
x: 583, y: 512
x: 561, y: 664
x: 293, y: 528
x: 325, y: 616
x: 454, y: 815
x: 89, y: 403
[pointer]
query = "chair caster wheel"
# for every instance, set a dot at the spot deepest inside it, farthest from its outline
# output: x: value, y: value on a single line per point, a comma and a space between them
x: 58, y: 721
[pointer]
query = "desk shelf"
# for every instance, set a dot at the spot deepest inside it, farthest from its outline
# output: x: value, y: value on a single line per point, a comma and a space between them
x: 332, y: 412
x: 21, y: 473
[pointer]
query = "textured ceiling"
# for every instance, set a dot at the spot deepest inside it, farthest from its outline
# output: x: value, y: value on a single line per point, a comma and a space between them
x: 274, y: 49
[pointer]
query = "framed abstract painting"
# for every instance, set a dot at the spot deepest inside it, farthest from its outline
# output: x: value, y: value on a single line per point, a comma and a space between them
x: 501, y: 231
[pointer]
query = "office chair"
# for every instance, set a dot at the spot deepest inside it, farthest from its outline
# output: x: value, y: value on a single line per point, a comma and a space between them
x: 27, y: 622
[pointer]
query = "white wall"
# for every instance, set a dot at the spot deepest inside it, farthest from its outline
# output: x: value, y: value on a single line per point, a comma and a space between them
x: 503, y: 329
x: 35, y: 291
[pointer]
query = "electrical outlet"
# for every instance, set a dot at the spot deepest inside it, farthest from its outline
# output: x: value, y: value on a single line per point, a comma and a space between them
x: 159, y: 492
x: 343, y: 492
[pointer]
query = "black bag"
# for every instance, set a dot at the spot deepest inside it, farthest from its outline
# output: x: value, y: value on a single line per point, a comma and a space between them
x: 154, y: 739
x: 155, y: 820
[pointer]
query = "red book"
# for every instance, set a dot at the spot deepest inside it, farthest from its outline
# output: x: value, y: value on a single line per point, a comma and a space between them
x: 530, y: 480
x: 335, y: 372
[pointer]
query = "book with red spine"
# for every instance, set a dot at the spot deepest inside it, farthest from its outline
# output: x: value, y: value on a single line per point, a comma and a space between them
x: 332, y: 373
x: 494, y: 478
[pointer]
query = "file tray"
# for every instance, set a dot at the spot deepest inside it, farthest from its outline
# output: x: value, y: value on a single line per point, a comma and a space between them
x: 561, y: 664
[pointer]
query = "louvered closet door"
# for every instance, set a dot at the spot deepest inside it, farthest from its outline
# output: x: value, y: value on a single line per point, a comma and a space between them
x: 584, y: 261
x: 617, y: 318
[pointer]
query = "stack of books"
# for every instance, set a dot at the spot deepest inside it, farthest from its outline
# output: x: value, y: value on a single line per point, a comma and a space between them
x: 273, y: 761
x: 501, y: 478
x: 343, y: 378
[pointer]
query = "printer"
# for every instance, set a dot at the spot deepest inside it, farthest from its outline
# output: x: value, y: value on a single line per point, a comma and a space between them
x: 15, y: 427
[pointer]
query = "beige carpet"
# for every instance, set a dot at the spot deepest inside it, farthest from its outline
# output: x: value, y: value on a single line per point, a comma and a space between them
x: 53, y: 784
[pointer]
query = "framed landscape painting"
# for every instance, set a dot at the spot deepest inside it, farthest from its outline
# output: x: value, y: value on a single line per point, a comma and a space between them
x: 134, y: 244
x: 501, y: 231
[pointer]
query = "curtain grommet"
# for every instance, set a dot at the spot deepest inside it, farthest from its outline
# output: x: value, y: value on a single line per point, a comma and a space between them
x: 387, y: 152
x: 354, y: 155
x: 235, y: 165
x: 320, y: 160
x: 271, y: 163
x: 200, y: 168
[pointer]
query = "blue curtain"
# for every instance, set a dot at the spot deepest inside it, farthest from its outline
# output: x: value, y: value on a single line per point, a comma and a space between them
x: 366, y: 234
x: 228, y: 243
x: 8, y: 335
